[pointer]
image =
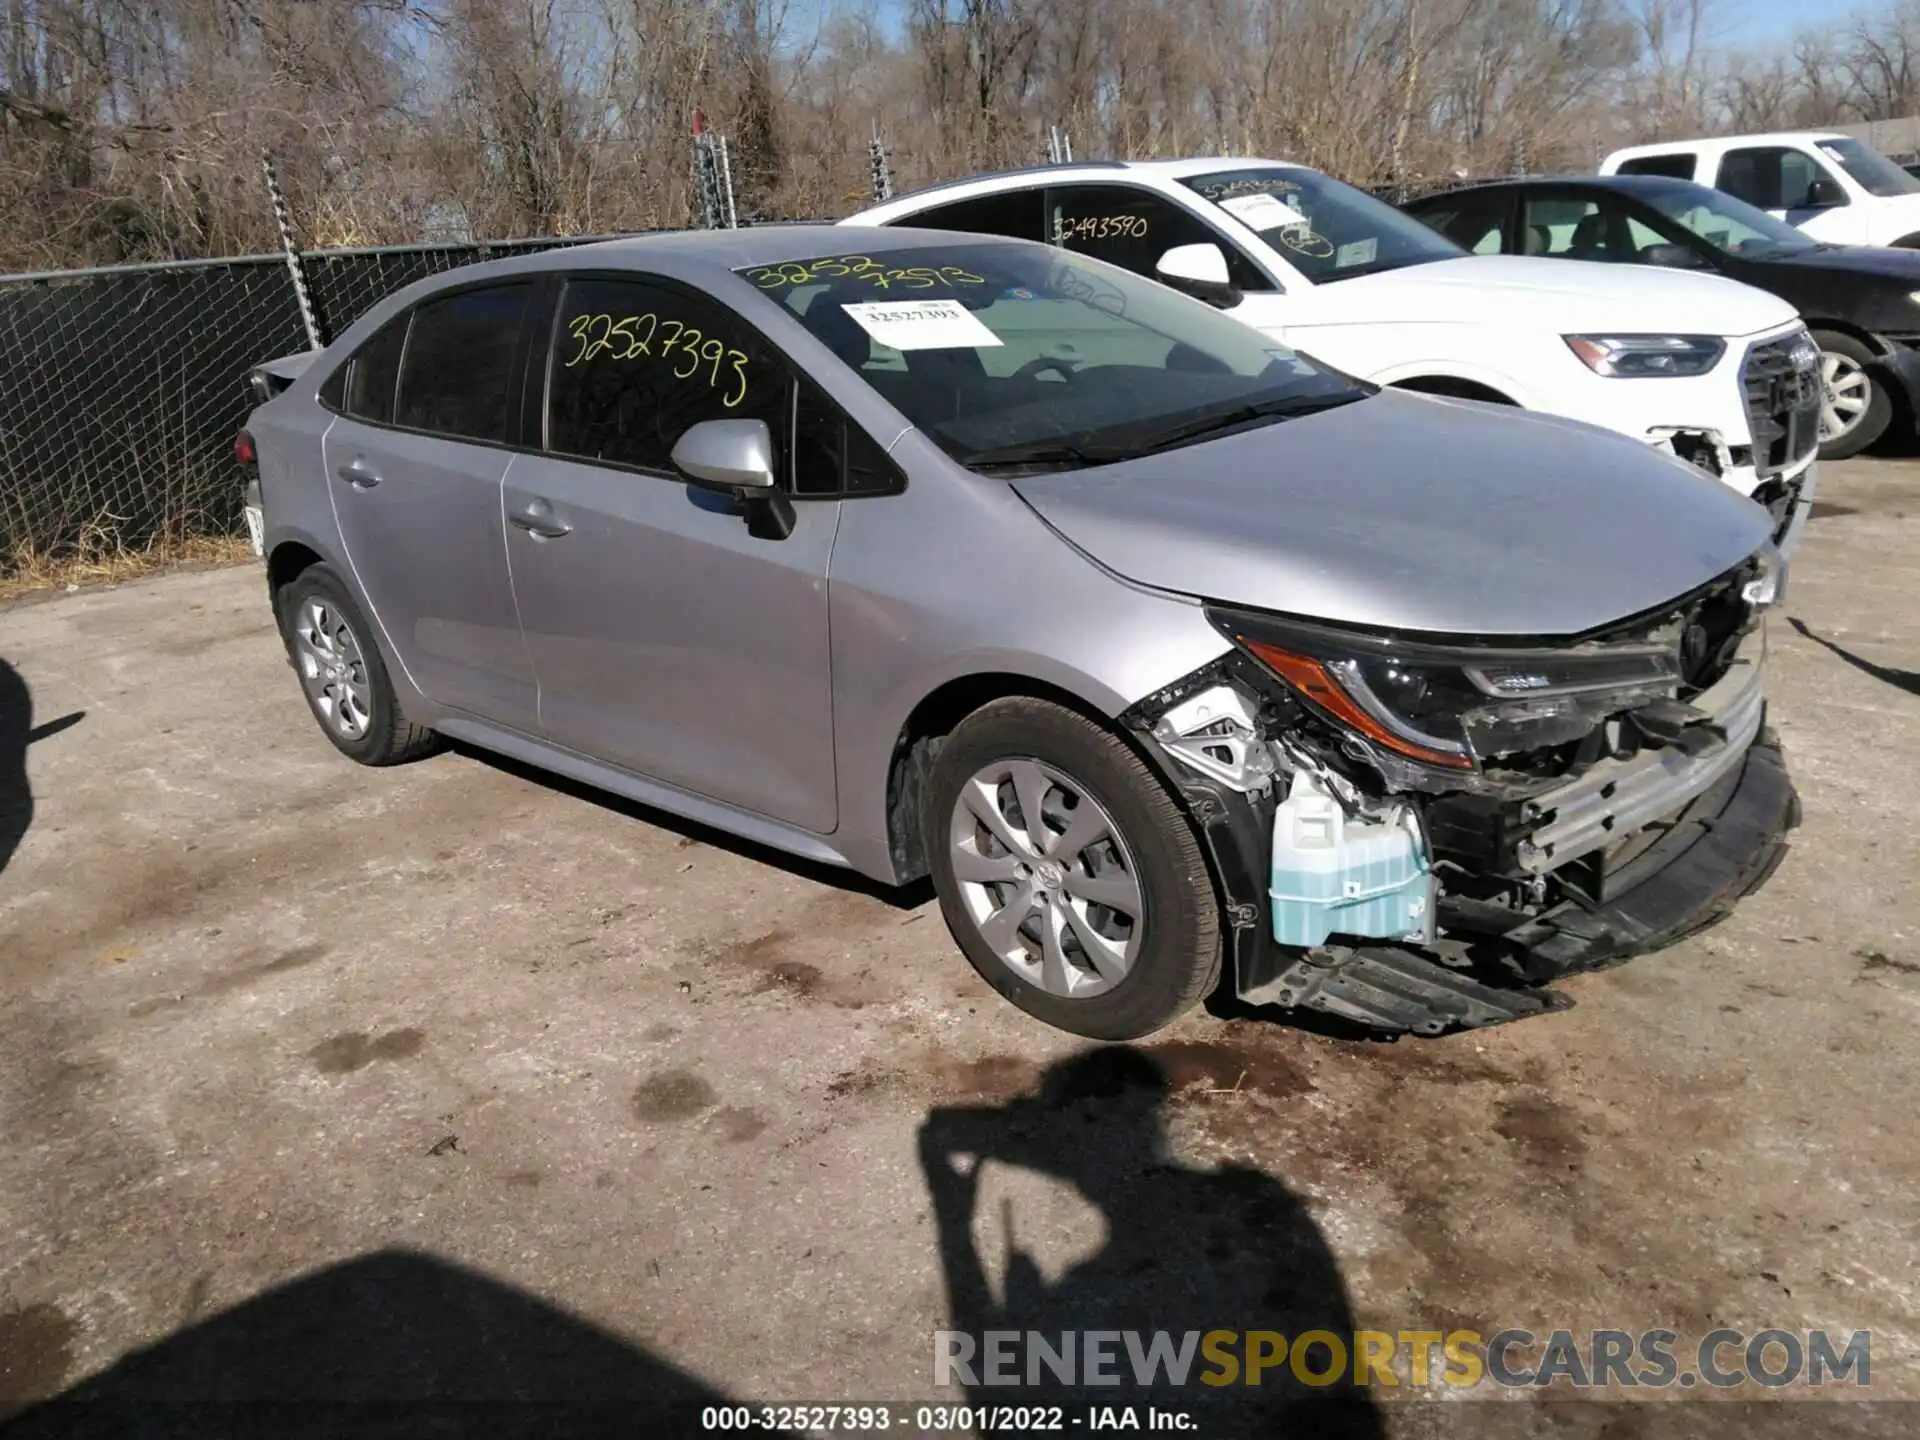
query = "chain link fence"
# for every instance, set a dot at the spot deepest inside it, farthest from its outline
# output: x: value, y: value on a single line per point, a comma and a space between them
x: 121, y: 390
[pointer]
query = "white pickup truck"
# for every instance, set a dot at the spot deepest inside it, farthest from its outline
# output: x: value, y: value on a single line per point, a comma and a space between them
x: 1715, y: 372
x: 1831, y: 186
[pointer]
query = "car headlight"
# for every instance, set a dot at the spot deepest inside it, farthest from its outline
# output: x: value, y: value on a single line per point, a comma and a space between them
x: 1632, y: 357
x: 1453, y: 707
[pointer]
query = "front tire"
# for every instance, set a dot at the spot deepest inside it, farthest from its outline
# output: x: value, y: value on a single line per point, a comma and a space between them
x: 341, y: 672
x: 1855, y: 408
x: 1068, y: 874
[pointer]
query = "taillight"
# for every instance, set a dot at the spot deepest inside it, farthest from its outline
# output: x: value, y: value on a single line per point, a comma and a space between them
x: 244, y: 451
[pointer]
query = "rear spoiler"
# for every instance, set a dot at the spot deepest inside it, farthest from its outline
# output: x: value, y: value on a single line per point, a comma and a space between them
x: 270, y: 377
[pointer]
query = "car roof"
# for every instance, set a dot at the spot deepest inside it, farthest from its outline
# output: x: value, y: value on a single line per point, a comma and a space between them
x: 734, y: 249
x: 1771, y: 137
x: 700, y: 257
x: 1094, y: 170
x: 690, y: 252
x: 1626, y: 184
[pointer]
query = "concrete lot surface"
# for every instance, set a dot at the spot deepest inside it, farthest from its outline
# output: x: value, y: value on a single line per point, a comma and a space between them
x: 452, y: 1081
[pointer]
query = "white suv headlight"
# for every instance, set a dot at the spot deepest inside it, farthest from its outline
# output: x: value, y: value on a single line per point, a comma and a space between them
x: 1639, y: 357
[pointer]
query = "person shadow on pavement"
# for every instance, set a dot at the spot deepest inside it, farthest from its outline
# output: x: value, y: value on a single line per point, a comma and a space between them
x: 17, y: 731
x: 1188, y: 1251
x: 392, y: 1343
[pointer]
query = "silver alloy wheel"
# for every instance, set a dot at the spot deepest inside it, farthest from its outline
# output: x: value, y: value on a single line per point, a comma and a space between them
x: 333, y: 668
x: 1047, y: 878
x: 1846, y: 391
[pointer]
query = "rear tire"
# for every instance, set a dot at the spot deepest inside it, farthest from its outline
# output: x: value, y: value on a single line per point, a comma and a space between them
x: 1853, y: 417
x: 341, y: 672
x: 1096, y: 914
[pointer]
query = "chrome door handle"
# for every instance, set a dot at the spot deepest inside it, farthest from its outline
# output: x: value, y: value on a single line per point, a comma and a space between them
x: 537, y: 520
x: 359, y: 474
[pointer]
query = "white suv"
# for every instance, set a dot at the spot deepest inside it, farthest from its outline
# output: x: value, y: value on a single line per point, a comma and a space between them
x: 1829, y: 185
x: 1720, y: 374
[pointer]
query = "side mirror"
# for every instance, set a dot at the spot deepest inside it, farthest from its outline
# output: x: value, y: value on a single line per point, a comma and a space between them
x: 735, y: 454
x: 1200, y: 271
x: 1824, y: 193
x: 1671, y: 257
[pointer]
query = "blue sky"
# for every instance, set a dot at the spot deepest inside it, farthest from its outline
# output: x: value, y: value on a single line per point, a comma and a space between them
x: 1758, y: 22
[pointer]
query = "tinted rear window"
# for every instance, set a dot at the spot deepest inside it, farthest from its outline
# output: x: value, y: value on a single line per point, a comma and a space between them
x: 459, y: 363
x: 373, y: 371
x: 1016, y: 214
x: 1674, y: 167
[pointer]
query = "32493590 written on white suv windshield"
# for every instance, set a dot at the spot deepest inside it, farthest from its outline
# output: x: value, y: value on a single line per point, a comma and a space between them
x: 1324, y: 229
x: 1022, y: 357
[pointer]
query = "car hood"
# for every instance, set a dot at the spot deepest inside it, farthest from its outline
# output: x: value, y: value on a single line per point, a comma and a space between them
x: 1566, y: 296
x: 1411, y: 513
x: 1881, y: 261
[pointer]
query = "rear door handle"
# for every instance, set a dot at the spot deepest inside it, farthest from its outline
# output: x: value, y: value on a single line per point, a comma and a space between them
x: 537, y: 519
x: 359, y: 474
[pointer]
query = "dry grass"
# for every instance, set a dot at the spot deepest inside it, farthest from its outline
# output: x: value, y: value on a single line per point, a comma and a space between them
x: 99, y: 559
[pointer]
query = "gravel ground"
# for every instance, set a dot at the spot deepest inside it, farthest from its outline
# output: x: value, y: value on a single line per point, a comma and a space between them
x: 321, y: 1083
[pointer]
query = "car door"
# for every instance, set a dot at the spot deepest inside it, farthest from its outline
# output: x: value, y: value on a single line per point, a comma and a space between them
x: 414, y: 464
x: 667, y: 637
x: 1561, y: 222
x: 1479, y: 221
x: 1782, y: 180
x: 1569, y: 225
x: 1132, y: 227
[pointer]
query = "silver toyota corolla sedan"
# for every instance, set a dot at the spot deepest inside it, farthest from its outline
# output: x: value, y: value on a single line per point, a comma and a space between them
x: 1180, y: 661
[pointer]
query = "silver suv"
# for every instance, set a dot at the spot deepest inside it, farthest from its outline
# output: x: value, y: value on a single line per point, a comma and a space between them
x: 1166, y: 651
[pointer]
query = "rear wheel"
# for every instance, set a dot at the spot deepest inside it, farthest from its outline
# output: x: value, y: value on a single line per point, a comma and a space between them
x: 1068, y: 874
x: 1855, y: 407
x: 346, y: 682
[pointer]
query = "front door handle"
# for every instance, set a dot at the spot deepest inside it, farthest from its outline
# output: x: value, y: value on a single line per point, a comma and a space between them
x: 537, y: 519
x: 359, y: 474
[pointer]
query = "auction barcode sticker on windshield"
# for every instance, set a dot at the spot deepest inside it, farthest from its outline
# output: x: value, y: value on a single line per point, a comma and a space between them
x: 922, y: 324
x: 1262, y: 212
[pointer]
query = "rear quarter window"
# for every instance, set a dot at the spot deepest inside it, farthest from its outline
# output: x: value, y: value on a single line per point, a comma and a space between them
x: 457, y: 369
x: 1017, y: 214
x: 374, y: 371
x: 1674, y: 167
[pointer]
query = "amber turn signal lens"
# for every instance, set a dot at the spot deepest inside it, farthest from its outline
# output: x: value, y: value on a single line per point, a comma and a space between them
x: 1310, y: 678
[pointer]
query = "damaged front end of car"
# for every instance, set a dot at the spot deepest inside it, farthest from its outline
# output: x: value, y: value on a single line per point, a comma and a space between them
x: 1419, y: 833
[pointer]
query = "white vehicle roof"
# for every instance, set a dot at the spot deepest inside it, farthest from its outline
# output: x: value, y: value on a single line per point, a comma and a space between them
x: 1088, y: 170
x: 1726, y: 142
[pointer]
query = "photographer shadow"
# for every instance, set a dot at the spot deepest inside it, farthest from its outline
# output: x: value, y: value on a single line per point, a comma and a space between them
x: 393, y: 1343
x: 1188, y: 1251
x: 17, y: 732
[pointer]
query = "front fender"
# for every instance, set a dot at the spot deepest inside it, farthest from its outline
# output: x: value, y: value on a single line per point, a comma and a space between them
x: 1522, y: 395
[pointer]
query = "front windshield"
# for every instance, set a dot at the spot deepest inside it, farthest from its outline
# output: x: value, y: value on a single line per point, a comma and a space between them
x: 1324, y: 229
x: 1876, y: 174
x: 1023, y: 356
x: 1724, y: 222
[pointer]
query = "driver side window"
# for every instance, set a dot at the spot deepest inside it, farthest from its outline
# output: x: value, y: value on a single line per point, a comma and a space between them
x: 633, y: 365
x: 1130, y: 227
x: 1568, y: 227
x: 1772, y: 177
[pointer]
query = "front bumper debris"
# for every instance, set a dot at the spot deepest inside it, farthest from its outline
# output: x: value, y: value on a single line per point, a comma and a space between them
x: 1617, y: 797
x: 1679, y: 809
x: 1719, y: 848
